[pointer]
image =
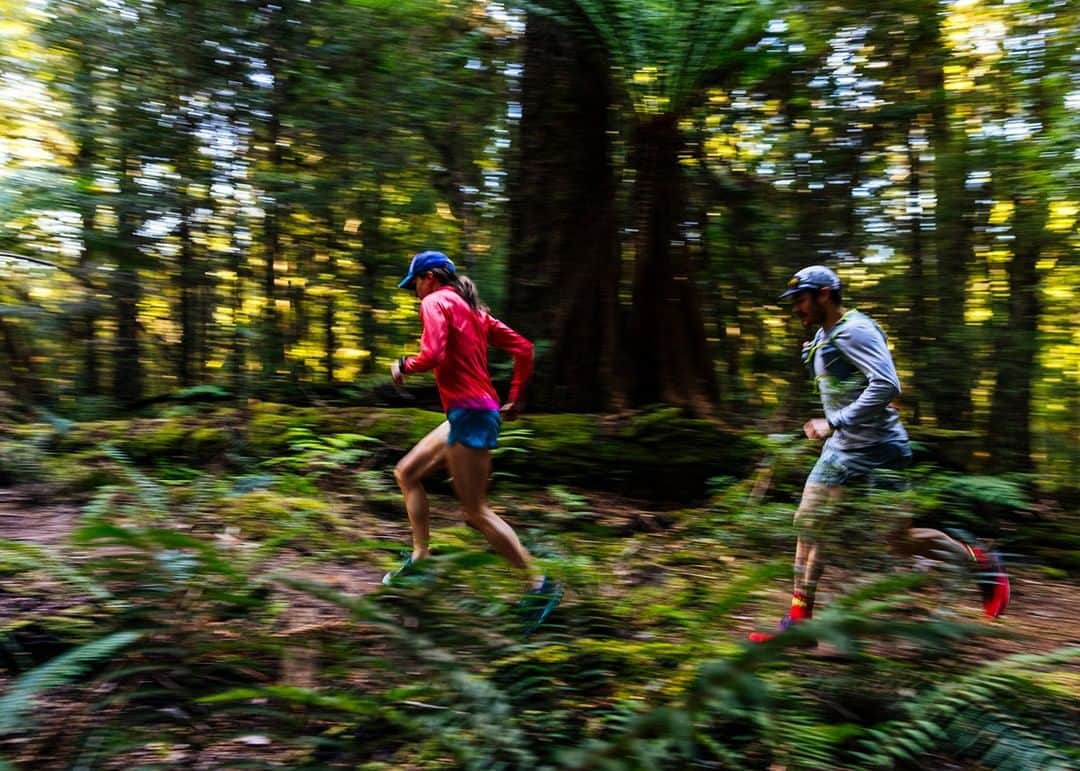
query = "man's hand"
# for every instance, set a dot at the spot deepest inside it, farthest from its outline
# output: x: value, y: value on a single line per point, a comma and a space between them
x: 816, y: 428
x: 510, y: 411
x: 396, y: 374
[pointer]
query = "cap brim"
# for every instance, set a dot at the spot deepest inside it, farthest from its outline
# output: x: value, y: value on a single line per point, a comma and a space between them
x: 407, y: 282
x: 793, y: 291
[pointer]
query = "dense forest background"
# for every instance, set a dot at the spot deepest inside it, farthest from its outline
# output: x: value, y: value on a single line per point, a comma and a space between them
x: 225, y: 193
x: 205, y: 208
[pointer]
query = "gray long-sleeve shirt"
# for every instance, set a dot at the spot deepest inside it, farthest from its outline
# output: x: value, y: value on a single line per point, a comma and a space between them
x: 854, y: 372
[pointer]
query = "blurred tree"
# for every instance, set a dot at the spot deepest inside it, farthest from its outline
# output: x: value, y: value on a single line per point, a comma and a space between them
x: 950, y: 386
x: 666, y: 57
x: 1030, y: 152
x: 564, y: 266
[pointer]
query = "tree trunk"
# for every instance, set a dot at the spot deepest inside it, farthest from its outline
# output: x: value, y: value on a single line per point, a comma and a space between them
x: 237, y: 358
x: 20, y: 365
x: 373, y: 246
x: 90, y: 380
x: 670, y: 351
x: 1017, y: 345
x: 458, y: 175
x: 299, y: 319
x: 564, y: 260
x: 127, y: 367
x: 330, y: 309
x: 951, y: 355
x: 915, y: 338
x: 126, y: 285
x: 187, y: 278
x: 273, y: 338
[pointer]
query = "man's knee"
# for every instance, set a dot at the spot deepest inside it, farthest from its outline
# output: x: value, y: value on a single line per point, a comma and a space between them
x: 805, y: 515
x: 816, y: 504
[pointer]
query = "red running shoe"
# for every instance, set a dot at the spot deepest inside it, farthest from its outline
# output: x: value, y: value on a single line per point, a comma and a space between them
x: 993, y: 581
x: 785, y: 623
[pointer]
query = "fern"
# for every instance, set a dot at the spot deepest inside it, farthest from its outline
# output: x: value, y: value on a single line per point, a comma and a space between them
x: 319, y: 455
x: 149, y: 492
x: 30, y: 557
x: 976, y: 716
x: 664, y: 51
x: 61, y: 670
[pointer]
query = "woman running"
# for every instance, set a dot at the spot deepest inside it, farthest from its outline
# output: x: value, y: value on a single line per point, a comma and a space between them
x: 457, y: 329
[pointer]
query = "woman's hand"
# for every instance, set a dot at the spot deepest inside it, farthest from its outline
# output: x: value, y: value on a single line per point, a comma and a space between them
x: 396, y: 374
x: 510, y: 411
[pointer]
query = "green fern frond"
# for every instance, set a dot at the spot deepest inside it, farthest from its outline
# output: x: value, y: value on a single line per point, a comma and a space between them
x: 27, y: 556
x: 967, y: 717
x: 666, y: 52
x: 150, y: 493
x: 61, y: 670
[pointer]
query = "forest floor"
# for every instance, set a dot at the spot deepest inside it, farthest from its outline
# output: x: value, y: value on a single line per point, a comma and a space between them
x: 1039, y: 617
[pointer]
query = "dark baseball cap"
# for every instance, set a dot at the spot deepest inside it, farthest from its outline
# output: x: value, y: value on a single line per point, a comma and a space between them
x: 812, y: 277
x: 422, y: 263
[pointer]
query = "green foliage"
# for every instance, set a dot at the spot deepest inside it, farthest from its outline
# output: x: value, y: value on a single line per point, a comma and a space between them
x: 21, y: 462
x: 63, y: 669
x: 316, y: 456
x: 666, y: 52
x: 1007, y: 714
x: 202, y: 393
x: 79, y: 474
x: 231, y: 583
x: 993, y: 491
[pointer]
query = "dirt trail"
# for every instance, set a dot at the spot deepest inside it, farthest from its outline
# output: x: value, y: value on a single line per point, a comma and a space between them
x: 1038, y: 618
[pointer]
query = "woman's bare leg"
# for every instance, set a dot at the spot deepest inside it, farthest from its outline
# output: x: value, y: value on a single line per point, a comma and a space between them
x: 427, y: 456
x: 470, y: 470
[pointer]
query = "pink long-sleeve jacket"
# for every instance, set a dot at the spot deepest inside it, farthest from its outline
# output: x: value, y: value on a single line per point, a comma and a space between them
x: 455, y: 342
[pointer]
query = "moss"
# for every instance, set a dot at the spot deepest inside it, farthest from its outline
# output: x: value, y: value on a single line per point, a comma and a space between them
x: 658, y: 453
x: 268, y: 431
x: 398, y: 427
x: 264, y: 513
x: 267, y: 434
x: 20, y: 462
x: 83, y: 472
x: 92, y: 433
x: 155, y: 439
x: 208, y: 443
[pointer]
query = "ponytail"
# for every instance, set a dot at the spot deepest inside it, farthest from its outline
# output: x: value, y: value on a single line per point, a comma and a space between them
x: 462, y: 285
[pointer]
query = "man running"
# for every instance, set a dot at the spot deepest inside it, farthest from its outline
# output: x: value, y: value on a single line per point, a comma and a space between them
x: 853, y: 370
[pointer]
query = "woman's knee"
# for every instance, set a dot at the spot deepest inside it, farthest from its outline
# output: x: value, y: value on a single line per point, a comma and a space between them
x: 405, y: 475
x: 479, y: 518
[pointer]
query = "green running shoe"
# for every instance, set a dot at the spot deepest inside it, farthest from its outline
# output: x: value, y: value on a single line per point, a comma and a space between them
x: 406, y: 568
x: 537, y: 605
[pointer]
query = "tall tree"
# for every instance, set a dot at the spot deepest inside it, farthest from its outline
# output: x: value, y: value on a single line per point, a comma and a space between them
x: 666, y: 57
x: 564, y: 263
x: 1030, y: 94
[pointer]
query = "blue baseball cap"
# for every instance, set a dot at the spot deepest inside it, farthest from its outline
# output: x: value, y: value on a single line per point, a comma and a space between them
x: 812, y: 277
x: 422, y: 263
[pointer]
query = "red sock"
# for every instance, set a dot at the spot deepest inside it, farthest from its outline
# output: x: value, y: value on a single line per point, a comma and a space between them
x: 800, y: 608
